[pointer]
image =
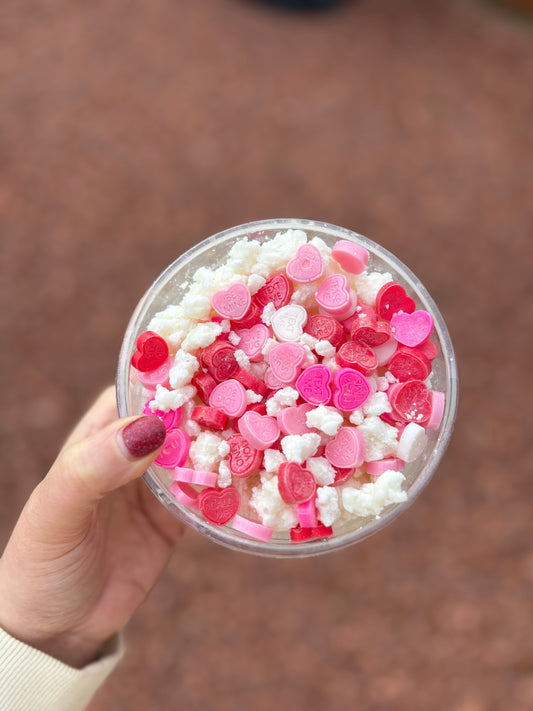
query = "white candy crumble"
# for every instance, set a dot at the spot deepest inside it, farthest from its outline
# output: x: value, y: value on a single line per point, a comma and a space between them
x: 371, y: 499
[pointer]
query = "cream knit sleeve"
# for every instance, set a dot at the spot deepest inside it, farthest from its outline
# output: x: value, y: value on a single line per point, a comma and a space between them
x: 32, y: 681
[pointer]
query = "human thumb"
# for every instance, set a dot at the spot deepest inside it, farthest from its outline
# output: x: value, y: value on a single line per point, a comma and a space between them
x: 90, y: 469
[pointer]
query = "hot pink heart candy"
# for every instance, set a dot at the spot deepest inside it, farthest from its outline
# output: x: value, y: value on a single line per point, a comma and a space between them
x: 306, y: 266
x: 233, y: 302
x: 285, y: 361
x: 412, y: 329
x: 352, y: 257
x: 260, y: 431
x: 347, y: 449
x: 291, y: 420
x: 253, y: 340
x: 230, y: 397
x: 352, y: 389
x: 313, y: 385
x: 333, y: 295
x: 175, y: 450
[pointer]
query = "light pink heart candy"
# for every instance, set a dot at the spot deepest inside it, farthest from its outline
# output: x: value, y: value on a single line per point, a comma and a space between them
x: 347, y: 449
x: 352, y: 257
x: 291, y: 420
x: 253, y: 340
x: 333, y: 295
x: 260, y: 431
x: 313, y: 385
x: 306, y: 266
x: 230, y: 397
x: 352, y: 389
x: 411, y: 329
x: 233, y: 302
x: 271, y: 381
x: 286, y: 360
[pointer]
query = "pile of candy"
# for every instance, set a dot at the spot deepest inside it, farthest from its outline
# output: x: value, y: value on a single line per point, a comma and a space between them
x: 295, y: 394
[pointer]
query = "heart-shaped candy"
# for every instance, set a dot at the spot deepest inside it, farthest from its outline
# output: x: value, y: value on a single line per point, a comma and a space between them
x: 296, y: 484
x: 232, y: 302
x: 151, y: 353
x: 333, y: 295
x: 250, y: 318
x: 392, y: 298
x: 219, y: 506
x: 291, y: 420
x: 412, y: 329
x: 347, y: 449
x: 219, y: 359
x: 306, y: 265
x: 243, y: 459
x: 285, y: 361
x: 170, y: 419
x: 411, y: 401
x: 277, y: 290
x: 352, y: 257
x: 368, y: 330
x: 325, y: 328
x: 271, y: 381
x: 356, y: 355
x: 288, y: 322
x: 159, y: 376
x: 409, y: 364
x: 260, y: 431
x: 253, y: 339
x: 352, y: 389
x: 175, y: 450
x: 230, y: 397
x: 313, y: 385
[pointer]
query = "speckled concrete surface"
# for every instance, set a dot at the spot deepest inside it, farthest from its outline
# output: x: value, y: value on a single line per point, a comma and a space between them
x: 131, y: 130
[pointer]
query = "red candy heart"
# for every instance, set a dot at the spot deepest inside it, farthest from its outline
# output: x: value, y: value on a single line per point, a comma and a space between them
x: 358, y: 356
x: 296, y: 484
x: 277, y: 290
x: 411, y: 401
x: 409, y: 364
x: 219, y: 359
x: 369, y: 331
x: 251, y: 318
x: 325, y: 328
x: 391, y: 299
x: 219, y: 506
x: 243, y: 459
x: 151, y: 353
x: 210, y: 417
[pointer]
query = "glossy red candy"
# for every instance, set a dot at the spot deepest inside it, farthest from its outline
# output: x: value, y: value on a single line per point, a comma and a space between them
x: 204, y: 384
x: 296, y: 485
x: 243, y: 459
x: 428, y: 348
x: 250, y: 318
x: 259, y: 407
x: 277, y: 290
x: 151, y: 353
x: 370, y: 331
x: 411, y: 401
x: 342, y: 475
x: 250, y: 382
x: 219, y: 360
x: 321, y: 531
x: 210, y: 417
x: 299, y: 534
x: 409, y: 364
x: 392, y: 298
x: 325, y: 328
x: 358, y: 356
x: 219, y: 506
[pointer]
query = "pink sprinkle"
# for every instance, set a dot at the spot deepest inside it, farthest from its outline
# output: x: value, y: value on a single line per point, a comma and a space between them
x: 306, y: 513
x: 185, y: 494
x: 250, y: 528
x: 193, y: 476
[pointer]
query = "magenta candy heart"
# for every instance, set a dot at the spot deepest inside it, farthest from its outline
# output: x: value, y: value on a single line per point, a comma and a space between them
x: 233, y: 302
x: 291, y: 420
x: 230, y: 397
x: 175, y: 450
x: 412, y: 329
x: 347, y: 449
x: 306, y: 266
x: 351, y: 389
x: 253, y: 340
x: 333, y: 295
x: 285, y: 361
x: 352, y: 257
x: 313, y: 385
x: 260, y: 431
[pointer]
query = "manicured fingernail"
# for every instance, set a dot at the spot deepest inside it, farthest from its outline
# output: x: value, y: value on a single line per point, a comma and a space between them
x: 143, y: 436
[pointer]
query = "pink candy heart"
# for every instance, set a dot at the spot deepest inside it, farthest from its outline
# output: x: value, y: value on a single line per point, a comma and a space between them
x: 411, y: 329
x: 260, y: 431
x: 285, y: 361
x: 333, y: 295
x: 313, y: 385
x: 230, y: 397
x: 306, y: 266
x: 291, y: 420
x: 351, y: 389
x: 253, y: 340
x: 175, y: 450
x: 347, y: 449
x: 233, y: 302
x: 271, y: 381
x: 352, y: 257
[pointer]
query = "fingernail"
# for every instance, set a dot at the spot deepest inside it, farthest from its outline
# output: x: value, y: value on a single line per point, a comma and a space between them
x: 143, y: 436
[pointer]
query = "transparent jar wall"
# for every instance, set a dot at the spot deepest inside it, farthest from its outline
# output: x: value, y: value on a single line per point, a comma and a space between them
x: 170, y: 287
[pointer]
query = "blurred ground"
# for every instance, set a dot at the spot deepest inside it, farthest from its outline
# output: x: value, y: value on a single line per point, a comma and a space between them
x: 129, y: 131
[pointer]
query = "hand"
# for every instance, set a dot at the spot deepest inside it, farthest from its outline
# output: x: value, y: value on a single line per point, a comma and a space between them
x: 91, y: 540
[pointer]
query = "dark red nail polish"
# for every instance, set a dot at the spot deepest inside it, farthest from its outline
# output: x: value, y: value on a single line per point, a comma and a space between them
x: 143, y: 436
